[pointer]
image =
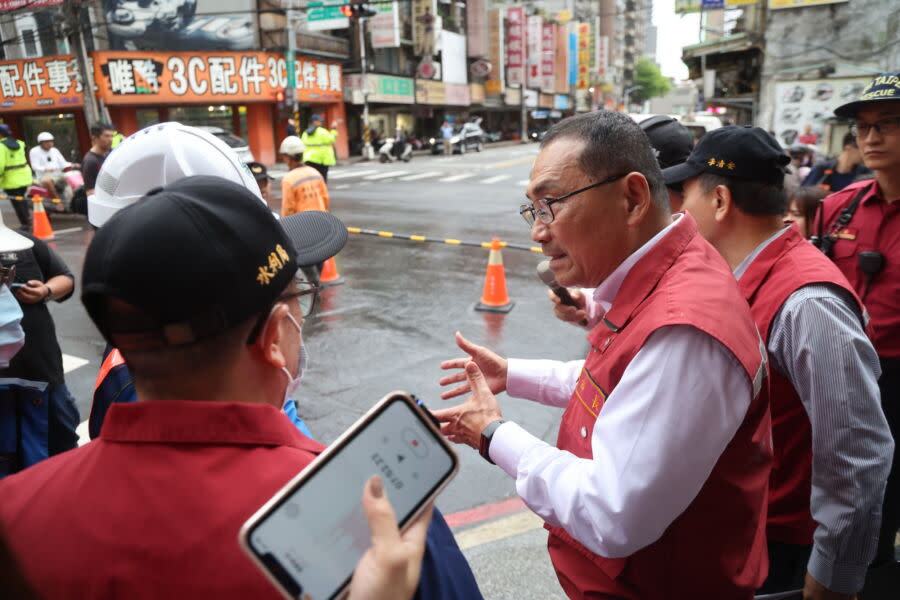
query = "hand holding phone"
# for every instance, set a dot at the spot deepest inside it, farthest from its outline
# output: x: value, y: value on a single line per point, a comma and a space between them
x: 310, y: 536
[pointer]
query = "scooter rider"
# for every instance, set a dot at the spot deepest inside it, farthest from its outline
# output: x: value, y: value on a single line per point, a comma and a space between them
x: 48, y: 164
x: 400, y: 138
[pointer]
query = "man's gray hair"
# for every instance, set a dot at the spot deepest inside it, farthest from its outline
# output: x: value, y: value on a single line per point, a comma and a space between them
x: 613, y: 143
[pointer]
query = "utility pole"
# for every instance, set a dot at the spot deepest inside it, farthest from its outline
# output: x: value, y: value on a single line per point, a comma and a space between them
x: 291, y: 15
x: 72, y: 12
x: 523, y: 114
x: 368, y: 151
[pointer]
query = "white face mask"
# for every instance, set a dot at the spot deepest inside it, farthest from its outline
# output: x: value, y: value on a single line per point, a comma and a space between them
x: 302, y: 363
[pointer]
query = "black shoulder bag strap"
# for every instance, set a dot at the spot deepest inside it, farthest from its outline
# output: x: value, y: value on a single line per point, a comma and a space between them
x: 827, y: 241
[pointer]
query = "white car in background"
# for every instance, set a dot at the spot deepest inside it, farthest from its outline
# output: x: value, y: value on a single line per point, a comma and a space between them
x: 234, y: 142
x: 698, y: 125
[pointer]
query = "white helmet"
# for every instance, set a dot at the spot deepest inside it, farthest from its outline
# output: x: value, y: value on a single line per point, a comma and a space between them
x: 45, y: 136
x: 159, y: 155
x: 292, y: 146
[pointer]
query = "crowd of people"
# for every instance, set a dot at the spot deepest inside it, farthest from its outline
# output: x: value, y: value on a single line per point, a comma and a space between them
x: 729, y: 433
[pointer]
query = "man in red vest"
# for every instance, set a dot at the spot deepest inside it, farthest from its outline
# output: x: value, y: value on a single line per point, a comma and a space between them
x: 832, y: 444
x: 656, y: 488
x: 859, y: 229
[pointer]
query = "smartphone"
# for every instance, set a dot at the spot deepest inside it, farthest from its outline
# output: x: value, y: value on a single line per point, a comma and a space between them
x: 308, y: 537
x: 16, y: 285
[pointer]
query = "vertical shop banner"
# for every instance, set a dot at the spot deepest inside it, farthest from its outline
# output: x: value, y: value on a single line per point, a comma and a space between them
x: 584, y: 56
x: 548, y: 42
x: 476, y: 28
x: 561, y: 59
x: 384, y: 27
x: 515, y: 46
x: 595, y: 33
x: 454, y: 67
x: 424, y: 14
x: 533, y: 28
x: 603, y: 57
x: 202, y: 77
x: 35, y: 83
x: 180, y: 25
x: 573, y: 53
x: 495, y: 83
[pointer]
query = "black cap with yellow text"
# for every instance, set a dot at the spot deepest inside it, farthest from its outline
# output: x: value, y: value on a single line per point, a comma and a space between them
x: 746, y: 153
x: 884, y: 87
x: 193, y: 259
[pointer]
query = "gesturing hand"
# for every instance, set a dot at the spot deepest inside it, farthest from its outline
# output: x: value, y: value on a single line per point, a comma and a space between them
x: 492, y: 365
x: 390, y: 569
x: 464, y: 423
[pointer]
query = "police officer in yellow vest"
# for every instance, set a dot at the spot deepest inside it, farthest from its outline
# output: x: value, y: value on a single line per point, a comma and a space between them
x: 319, y: 143
x: 15, y: 174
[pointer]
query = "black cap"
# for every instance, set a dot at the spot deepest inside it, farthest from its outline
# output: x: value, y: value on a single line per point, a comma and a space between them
x: 195, y: 258
x: 670, y: 139
x: 259, y: 171
x: 883, y: 88
x: 747, y: 153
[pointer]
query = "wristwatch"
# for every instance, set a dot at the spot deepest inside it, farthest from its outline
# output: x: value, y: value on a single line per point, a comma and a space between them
x: 487, y: 435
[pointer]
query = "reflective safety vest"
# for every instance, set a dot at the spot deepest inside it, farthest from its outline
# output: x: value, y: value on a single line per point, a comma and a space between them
x: 319, y: 146
x: 117, y: 139
x: 114, y: 384
x: 16, y: 171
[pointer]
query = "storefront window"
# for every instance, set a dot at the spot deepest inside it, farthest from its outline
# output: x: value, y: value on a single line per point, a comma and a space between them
x: 61, y: 125
x: 147, y: 117
x: 405, y: 121
x: 213, y: 116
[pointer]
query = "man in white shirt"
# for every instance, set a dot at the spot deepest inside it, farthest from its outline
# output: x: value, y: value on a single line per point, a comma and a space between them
x: 657, y: 485
x: 48, y: 163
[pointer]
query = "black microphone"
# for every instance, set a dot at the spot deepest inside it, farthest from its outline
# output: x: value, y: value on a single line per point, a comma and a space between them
x: 546, y: 275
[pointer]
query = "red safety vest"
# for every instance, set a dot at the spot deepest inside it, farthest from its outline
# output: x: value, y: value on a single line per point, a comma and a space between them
x: 716, y: 548
x: 787, y: 264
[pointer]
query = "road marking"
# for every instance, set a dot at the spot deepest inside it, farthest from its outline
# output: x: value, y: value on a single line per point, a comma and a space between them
x: 345, y: 174
x: 523, y: 182
x: 483, y: 513
x: 511, y: 163
x: 496, y: 179
x: 68, y: 230
x: 418, y: 176
x: 500, y: 529
x: 70, y: 363
x: 457, y: 177
x: 343, y: 186
x: 385, y: 175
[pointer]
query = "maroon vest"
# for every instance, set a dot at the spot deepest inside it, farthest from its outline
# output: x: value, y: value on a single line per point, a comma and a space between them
x: 716, y: 548
x: 787, y: 264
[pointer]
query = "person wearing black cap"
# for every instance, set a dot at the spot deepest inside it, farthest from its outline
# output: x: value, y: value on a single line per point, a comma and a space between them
x: 832, y: 444
x: 262, y: 177
x: 859, y: 229
x: 195, y: 284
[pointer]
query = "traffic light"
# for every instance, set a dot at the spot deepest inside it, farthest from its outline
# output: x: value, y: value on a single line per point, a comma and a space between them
x: 355, y: 11
x: 285, y: 101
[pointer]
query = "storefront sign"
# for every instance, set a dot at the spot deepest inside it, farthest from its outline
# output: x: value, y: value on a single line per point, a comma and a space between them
x: 603, y: 57
x: 457, y: 94
x: 799, y: 3
x: 531, y: 98
x: 384, y: 27
x: 495, y: 79
x: 425, y: 26
x: 584, y: 56
x: 430, y: 92
x: 186, y: 77
x: 476, y: 28
x: 561, y: 102
x: 545, y: 100
x: 515, y: 46
x: 36, y: 83
x: 810, y: 102
x: 381, y: 88
x: 513, y: 96
x: 181, y: 25
x: 325, y: 15
x: 573, y: 53
x: 17, y: 4
x: 533, y: 39
x: 689, y: 6
x: 561, y: 59
x: 548, y: 81
x: 454, y: 68
x: 476, y: 93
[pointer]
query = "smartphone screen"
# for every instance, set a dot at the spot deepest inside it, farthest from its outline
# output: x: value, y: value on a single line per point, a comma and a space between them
x: 311, y: 540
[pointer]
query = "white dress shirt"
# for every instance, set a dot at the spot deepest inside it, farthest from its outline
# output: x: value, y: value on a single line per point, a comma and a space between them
x: 652, y: 450
x: 47, y: 162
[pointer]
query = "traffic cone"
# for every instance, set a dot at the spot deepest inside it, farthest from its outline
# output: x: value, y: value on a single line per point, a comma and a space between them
x: 42, y: 229
x: 330, y: 275
x: 494, y: 297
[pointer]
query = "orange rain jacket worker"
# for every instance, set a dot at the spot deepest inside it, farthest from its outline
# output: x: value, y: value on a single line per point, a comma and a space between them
x: 303, y: 187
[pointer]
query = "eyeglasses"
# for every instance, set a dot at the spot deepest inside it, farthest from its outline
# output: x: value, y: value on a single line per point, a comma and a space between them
x: 307, y: 295
x: 882, y: 126
x: 541, y: 208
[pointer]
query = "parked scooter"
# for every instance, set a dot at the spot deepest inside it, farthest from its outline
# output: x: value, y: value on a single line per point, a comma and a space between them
x: 73, y: 198
x: 386, y: 153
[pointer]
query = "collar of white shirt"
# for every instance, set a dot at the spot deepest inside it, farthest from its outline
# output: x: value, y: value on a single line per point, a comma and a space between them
x: 745, y: 264
x: 607, y: 290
